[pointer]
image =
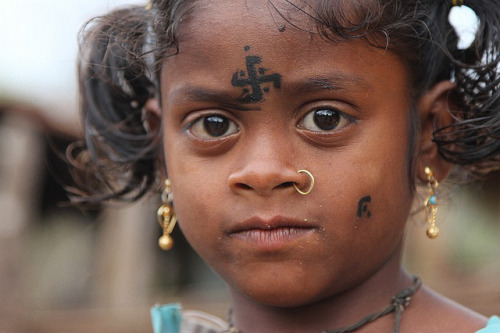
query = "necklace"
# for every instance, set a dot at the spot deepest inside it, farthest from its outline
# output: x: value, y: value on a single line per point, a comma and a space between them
x: 398, y: 303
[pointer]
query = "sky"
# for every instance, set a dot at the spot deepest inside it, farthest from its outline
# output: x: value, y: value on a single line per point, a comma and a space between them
x: 38, y: 43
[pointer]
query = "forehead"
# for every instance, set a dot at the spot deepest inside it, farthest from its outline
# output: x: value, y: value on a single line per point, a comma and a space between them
x: 216, y: 14
x: 220, y: 26
x: 216, y: 36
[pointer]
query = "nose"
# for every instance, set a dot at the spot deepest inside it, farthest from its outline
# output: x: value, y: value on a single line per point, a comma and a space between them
x: 265, y: 171
x: 263, y: 178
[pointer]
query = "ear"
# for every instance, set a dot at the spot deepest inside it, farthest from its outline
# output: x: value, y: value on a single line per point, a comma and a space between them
x: 434, y: 109
x: 152, y: 115
x: 152, y: 121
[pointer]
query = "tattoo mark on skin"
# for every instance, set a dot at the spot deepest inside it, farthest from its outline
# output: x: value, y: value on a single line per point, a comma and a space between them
x: 363, y: 206
x: 254, y: 81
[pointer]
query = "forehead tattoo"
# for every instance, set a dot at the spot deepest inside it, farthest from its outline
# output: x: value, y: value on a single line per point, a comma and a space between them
x: 254, y: 81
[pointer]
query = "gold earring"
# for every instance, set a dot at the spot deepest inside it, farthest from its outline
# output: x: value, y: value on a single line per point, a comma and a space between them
x: 166, y: 217
x: 311, y: 185
x: 431, y: 205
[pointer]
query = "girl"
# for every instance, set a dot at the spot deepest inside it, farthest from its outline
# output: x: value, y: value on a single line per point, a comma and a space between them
x: 292, y: 134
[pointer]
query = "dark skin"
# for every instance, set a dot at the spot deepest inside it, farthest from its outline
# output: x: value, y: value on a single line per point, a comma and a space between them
x: 298, y: 263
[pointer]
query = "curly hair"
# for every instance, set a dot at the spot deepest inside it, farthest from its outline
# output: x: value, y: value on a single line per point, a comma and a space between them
x: 121, y: 58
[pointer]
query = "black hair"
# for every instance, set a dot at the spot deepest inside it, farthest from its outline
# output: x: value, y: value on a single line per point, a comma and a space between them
x: 121, y: 57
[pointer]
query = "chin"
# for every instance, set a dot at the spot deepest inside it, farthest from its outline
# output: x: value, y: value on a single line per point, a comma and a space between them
x: 281, y: 293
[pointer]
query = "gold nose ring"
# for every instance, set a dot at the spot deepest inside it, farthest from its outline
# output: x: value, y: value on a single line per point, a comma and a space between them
x: 311, y: 185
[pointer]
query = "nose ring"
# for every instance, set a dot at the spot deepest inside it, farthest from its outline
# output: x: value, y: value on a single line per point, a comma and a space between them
x: 311, y: 185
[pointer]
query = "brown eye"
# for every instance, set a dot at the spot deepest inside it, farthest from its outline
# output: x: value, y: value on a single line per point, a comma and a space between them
x: 210, y: 127
x: 325, y: 119
x: 215, y: 125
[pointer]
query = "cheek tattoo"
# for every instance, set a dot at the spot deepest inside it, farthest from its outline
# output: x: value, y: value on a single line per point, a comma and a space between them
x: 363, y: 206
x: 254, y: 82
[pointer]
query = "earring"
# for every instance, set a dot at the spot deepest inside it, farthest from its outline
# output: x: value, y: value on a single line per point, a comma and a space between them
x: 166, y: 217
x: 431, y: 205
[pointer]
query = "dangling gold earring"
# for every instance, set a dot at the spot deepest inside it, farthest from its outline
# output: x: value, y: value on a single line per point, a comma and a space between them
x: 431, y: 205
x: 166, y: 217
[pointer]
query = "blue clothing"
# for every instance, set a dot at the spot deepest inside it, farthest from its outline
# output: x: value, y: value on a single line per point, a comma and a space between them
x: 168, y: 319
x: 492, y: 327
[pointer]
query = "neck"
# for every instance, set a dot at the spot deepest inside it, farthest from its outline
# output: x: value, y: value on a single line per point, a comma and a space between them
x: 340, y: 310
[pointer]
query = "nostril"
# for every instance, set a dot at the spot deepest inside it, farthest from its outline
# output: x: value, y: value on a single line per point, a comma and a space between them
x: 285, y: 185
x: 243, y: 186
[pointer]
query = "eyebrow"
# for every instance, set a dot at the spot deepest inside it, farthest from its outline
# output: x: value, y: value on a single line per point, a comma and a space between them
x: 334, y: 81
x: 328, y: 82
x: 218, y: 97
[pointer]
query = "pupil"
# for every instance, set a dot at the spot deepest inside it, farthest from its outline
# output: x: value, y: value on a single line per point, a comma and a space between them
x: 216, y: 126
x: 326, y: 119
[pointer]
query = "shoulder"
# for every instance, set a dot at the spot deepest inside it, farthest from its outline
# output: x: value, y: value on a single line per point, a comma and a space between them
x: 436, y: 313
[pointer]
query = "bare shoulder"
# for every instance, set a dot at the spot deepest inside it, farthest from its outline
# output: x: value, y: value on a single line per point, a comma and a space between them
x: 433, y: 312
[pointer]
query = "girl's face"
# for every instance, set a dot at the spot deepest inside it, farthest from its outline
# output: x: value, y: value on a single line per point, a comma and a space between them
x: 247, y: 102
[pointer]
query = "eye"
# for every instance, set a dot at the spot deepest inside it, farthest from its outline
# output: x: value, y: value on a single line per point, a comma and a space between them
x: 213, y: 126
x: 324, y: 119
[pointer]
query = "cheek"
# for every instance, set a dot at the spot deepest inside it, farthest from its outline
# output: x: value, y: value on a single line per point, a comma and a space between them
x: 367, y: 202
x: 196, y: 210
x: 370, y: 193
x: 385, y: 169
x: 363, y: 243
x: 195, y: 201
x: 387, y: 183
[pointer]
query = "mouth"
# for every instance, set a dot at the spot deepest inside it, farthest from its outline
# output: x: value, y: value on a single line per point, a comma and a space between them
x: 271, y: 233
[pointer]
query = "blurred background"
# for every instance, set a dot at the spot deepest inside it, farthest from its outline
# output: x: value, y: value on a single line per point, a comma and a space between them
x: 64, y: 269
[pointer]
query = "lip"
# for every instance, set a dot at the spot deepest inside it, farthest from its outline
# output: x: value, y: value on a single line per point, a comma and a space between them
x: 273, y: 233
